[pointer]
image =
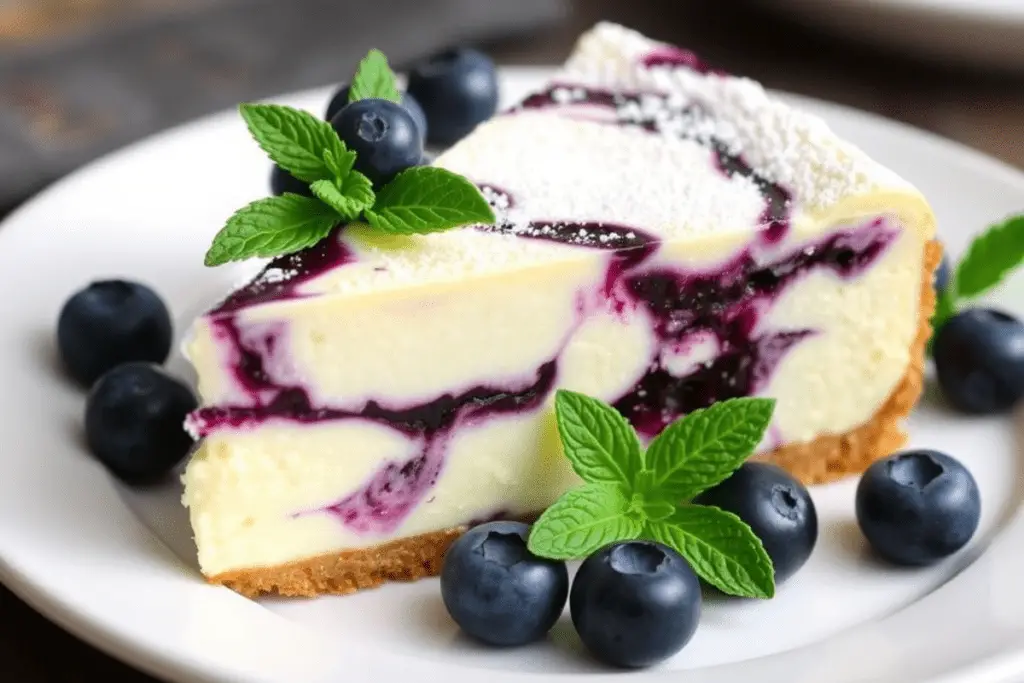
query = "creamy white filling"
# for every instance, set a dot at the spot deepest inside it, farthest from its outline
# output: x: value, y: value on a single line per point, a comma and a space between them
x: 244, y: 487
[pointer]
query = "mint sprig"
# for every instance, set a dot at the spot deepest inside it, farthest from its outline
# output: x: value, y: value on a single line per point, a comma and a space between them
x: 988, y: 261
x: 419, y: 200
x: 631, y: 494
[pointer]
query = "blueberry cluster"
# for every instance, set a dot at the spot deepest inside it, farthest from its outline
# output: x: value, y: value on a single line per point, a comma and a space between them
x: 633, y: 603
x: 448, y: 95
x: 113, y: 336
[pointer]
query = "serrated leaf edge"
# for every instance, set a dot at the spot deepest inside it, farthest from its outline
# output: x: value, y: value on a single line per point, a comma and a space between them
x: 570, y: 504
x: 700, y: 567
x: 299, y: 128
x: 321, y: 217
x: 374, y: 57
x: 740, y: 410
x: 623, y: 437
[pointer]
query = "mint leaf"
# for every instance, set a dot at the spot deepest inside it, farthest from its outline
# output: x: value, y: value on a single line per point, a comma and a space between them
x: 721, y: 549
x: 427, y: 199
x: 601, y: 446
x: 581, y: 521
x: 340, y: 165
x: 349, y: 200
x: 705, y: 447
x: 271, y: 227
x: 990, y: 258
x: 374, y: 79
x: 295, y: 140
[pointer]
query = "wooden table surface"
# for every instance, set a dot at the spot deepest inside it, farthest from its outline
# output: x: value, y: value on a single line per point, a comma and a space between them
x: 983, y: 110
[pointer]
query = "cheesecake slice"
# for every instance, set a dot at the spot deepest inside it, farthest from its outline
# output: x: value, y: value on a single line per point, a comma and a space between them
x: 668, y: 236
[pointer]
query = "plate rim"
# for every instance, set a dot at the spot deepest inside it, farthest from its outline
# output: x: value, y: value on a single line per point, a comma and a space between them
x: 954, y: 8
x: 947, y: 9
x: 120, y: 645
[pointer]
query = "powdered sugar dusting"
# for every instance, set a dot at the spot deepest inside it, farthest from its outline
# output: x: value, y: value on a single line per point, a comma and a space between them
x: 788, y: 146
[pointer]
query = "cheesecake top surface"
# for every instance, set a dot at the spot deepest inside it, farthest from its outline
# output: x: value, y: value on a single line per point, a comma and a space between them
x: 633, y: 142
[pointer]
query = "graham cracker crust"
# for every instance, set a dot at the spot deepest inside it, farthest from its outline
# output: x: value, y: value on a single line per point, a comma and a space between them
x: 825, y: 459
x: 406, y: 559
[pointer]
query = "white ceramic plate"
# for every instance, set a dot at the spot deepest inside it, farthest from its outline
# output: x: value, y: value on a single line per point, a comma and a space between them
x: 988, y: 33
x: 117, y: 566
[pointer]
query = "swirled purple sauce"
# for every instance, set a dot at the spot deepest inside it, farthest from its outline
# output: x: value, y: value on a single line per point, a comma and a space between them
x: 284, y: 275
x: 669, y: 55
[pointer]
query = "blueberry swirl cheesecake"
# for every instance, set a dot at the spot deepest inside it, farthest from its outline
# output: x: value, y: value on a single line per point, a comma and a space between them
x: 666, y: 236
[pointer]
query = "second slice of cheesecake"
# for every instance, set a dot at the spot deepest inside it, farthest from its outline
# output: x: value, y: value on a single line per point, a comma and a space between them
x: 668, y: 237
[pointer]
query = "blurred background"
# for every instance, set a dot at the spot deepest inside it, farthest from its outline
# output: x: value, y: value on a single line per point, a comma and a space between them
x: 79, y: 78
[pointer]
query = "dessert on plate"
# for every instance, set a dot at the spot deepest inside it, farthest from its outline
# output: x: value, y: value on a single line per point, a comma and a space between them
x: 667, y: 236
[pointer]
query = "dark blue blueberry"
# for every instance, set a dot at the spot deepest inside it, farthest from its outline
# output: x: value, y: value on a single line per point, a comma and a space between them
x: 942, y: 273
x: 458, y: 89
x: 340, y: 99
x: 979, y: 361
x: 635, y: 604
x: 499, y: 592
x: 917, y: 507
x: 416, y: 111
x: 383, y: 135
x: 776, y: 506
x: 282, y: 181
x: 112, y: 322
x: 134, y: 419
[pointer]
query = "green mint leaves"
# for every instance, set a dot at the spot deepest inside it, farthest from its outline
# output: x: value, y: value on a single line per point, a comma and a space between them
x: 631, y: 494
x: 374, y: 80
x: 991, y: 258
x: 419, y: 200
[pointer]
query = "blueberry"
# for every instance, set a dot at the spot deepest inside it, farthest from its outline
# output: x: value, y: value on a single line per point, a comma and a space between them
x: 340, y: 99
x: 635, y: 603
x: 499, y: 592
x: 917, y: 507
x: 941, y: 278
x: 416, y: 111
x: 383, y: 135
x: 112, y: 322
x: 776, y: 506
x: 134, y: 419
x: 979, y: 360
x: 458, y: 89
x: 282, y: 181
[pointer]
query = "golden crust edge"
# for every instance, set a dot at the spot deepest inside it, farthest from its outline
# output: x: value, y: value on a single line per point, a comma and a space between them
x: 825, y: 459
